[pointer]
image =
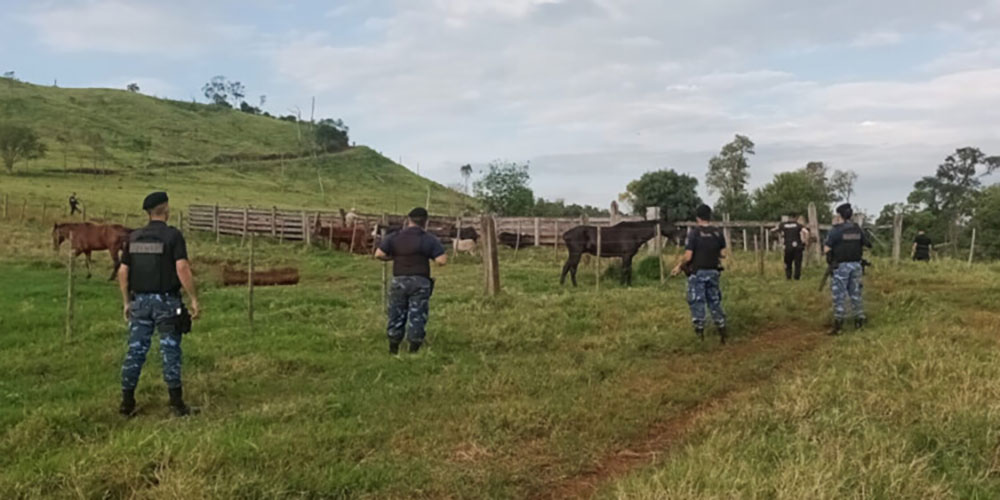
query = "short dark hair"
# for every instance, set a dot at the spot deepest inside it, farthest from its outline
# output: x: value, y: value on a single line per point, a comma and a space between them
x: 845, y: 211
x: 159, y: 210
x: 418, y: 216
x: 704, y: 212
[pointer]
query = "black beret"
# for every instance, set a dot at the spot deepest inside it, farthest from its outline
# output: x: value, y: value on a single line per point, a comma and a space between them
x: 845, y: 211
x: 154, y: 200
x: 417, y: 212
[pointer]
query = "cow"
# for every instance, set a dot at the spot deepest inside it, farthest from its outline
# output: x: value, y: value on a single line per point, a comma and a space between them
x: 511, y: 240
x: 467, y: 246
x: 622, y: 240
x: 467, y: 233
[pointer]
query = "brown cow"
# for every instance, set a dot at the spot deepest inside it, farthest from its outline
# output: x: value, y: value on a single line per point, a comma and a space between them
x: 343, y: 236
x: 88, y: 237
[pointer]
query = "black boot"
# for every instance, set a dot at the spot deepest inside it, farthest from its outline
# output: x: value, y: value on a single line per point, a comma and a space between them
x: 177, y: 402
x: 127, y: 408
x: 722, y: 335
x: 414, y: 346
x: 393, y: 347
x: 838, y: 325
x: 859, y: 323
x: 700, y: 332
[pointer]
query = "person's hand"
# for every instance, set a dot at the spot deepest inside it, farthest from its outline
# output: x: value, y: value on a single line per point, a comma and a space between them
x: 126, y: 311
x: 675, y: 271
x: 195, y: 309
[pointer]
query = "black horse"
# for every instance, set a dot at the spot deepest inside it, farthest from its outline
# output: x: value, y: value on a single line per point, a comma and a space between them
x: 622, y: 240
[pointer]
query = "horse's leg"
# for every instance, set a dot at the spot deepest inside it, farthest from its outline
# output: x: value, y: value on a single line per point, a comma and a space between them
x: 573, y: 264
x: 87, y: 253
x: 627, y: 270
x: 114, y: 260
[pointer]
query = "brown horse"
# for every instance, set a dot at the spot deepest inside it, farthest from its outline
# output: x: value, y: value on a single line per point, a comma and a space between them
x: 87, y: 237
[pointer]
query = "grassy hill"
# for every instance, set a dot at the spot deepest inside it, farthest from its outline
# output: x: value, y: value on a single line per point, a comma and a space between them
x: 191, y: 153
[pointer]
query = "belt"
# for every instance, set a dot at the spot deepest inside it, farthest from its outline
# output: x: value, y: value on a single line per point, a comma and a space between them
x: 175, y: 295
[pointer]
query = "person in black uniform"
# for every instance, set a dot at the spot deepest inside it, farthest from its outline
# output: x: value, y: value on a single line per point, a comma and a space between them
x: 922, y: 247
x: 791, y: 232
x: 74, y: 204
x: 705, y: 248
x: 410, y: 251
x: 154, y: 268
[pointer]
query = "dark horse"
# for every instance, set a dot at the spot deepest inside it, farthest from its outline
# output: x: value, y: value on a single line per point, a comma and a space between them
x: 87, y: 237
x: 621, y: 240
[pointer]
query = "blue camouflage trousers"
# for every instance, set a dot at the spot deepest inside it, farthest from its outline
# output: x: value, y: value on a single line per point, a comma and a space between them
x: 846, y: 283
x: 409, y: 303
x: 703, y: 290
x: 149, y: 311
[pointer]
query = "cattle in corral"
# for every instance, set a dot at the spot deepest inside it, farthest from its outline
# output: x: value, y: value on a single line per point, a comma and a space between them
x: 467, y: 246
x: 622, y: 241
x: 344, y: 236
x: 510, y: 239
x: 88, y: 237
x: 467, y: 233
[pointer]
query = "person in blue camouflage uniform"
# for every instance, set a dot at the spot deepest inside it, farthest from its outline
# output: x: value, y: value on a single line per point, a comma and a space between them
x: 705, y: 248
x: 154, y: 269
x: 845, y: 252
x: 410, y: 250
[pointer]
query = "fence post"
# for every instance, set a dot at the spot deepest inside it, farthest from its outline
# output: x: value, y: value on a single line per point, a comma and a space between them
x: 69, y: 291
x: 491, y: 263
x: 305, y: 229
x: 745, y: 244
x: 83, y: 213
x: 760, y: 253
x: 24, y: 205
x: 597, y: 261
x: 767, y: 239
x: 45, y: 208
x: 329, y: 236
x: 814, y: 232
x: 517, y: 239
x: 354, y: 232
x: 215, y: 220
x: 281, y: 235
x: 125, y: 219
x: 555, y: 241
x: 897, y: 237
x: 458, y: 236
x: 105, y: 214
x: 972, y: 247
x: 659, y: 254
x: 246, y: 221
x: 180, y: 220
x: 250, y: 284
x: 728, y: 235
x: 5, y: 200
x: 385, y: 266
x: 538, y: 232
x: 274, y: 221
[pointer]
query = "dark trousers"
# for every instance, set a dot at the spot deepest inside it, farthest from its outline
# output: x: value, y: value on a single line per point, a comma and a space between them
x: 409, y: 304
x: 793, y: 259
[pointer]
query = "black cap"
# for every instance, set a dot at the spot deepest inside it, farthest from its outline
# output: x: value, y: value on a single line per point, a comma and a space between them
x: 704, y: 212
x: 845, y: 211
x: 154, y: 200
x: 417, y: 213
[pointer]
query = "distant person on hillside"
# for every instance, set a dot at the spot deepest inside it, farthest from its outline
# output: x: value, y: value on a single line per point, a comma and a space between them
x: 153, y: 270
x: 74, y: 204
x: 922, y: 247
x: 701, y: 262
x: 795, y: 237
x: 845, y: 251
x: 410, y: 251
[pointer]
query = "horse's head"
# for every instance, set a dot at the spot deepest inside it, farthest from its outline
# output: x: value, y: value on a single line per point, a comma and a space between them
x: 676, y: 234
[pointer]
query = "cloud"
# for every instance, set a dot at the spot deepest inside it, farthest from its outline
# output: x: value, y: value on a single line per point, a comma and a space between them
x: 877, y: 39
x: 122, y: 27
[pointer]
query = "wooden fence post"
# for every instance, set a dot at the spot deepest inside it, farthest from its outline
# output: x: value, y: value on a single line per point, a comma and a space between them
x: 491, y: 263
x: 274, y: 221
x: 517, y: 239
x: 597, y: 261
x: 24, y: 205
x: 659, y: 253
x: 897, y: 237
x: 45, y: 208
x: 281, y: 235
x: 727, y: 234
x: 538, y: 232
x: 329, y: 236
x: 69, y: 291
x: 250, y: 284
x: 814, y: 233
x: 354, y: 232
x: 305, y: 229
x: 246, y: 222
x: 215, y: 221
x: 83, y: 213
x: 6, y: 199
x: 458, y: 236
x: 767, y: 239
x: 180, y: 220
x: 385, y: 265
x: 745, y: 244
x: 125, y: 220
x: 555, y: 242
x: 972, y: 247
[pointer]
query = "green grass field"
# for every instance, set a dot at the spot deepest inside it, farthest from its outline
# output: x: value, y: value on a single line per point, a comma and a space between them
x: 542, y: 392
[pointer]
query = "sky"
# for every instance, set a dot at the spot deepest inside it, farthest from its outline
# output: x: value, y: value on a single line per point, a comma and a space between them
x: 590, y: 93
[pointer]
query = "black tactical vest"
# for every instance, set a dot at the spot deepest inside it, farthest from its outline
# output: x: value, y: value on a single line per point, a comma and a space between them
x: 707, y: 248
x: 793, y: 234
x: 152, y: 268
x: 850, y: 247
x: 923, y: 247
x: 408, y: 258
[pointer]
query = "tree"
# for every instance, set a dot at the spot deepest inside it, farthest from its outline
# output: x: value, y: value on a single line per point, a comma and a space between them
x: 132, y: 87
x: 842, y: 185
x: 791, y: 192
x: 19, y: 143
x: 675, y: 194
x: 987, y: 215
x: 504, y: 190
x: 223, y: 92
x: 952, y: 192
x: 466, y: 174
x: 248, y: 108
x: 728, y: 174
x: 331, y: 135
